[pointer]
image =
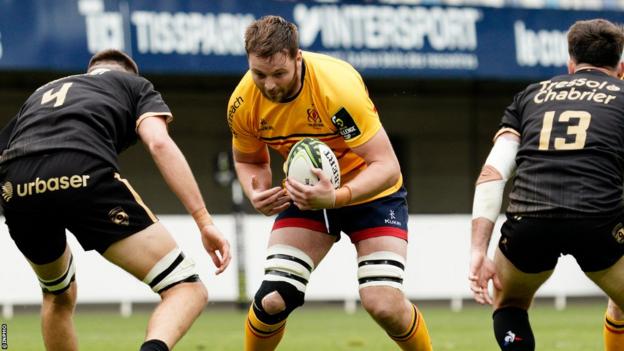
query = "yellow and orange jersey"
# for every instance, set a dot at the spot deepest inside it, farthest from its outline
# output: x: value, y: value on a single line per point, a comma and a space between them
x: 333, y: 106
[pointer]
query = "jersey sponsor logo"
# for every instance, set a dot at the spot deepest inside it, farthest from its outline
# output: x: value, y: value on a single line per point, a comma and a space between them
x: 7, y: 191
x: 568, y: 90
x: 314, y: 119
x: 40, y: 186
x: 118, y: 216
x: 345, y: 124
x: 618, y: 233
x: 232, y: 110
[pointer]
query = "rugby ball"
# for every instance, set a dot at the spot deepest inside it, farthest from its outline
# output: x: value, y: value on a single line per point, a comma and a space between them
x: 311, y: 153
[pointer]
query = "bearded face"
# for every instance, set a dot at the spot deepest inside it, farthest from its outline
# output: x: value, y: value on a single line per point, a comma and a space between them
x: 278, y: 76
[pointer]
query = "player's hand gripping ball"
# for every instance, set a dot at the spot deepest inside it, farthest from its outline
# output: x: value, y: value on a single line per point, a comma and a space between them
x: 311, y: 153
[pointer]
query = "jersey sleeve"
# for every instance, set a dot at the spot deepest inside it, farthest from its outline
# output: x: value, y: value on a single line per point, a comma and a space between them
x: 6, y: 132
x: 356, y: 117
x: 511, y: 120
x: 149, y: 102
x: 243, y: 138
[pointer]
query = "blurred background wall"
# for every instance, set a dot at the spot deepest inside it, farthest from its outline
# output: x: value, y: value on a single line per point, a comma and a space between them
x: 440, y: 73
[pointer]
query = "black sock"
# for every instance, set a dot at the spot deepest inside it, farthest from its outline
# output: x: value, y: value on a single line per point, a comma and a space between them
x: 513, y: 330
x: 154, y: 345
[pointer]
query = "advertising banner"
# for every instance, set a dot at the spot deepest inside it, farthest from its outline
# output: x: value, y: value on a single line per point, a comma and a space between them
x: 206, y: 37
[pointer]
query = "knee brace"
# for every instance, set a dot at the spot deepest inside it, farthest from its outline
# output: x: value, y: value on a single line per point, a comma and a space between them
x: 174, y: 268
x: 287, y: 271
x: 381, y: 268
x: 58, y: 285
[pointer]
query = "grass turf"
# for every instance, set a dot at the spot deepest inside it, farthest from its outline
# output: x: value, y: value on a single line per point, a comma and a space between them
x: 579, y: 327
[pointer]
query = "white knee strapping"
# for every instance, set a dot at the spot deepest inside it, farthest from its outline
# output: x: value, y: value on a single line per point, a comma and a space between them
x: 173, y: 268
x: 60, y: 284
x: 288, y: 264
x: 381, y: 268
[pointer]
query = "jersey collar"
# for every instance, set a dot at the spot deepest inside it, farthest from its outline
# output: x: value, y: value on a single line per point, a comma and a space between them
x: 303, y: 72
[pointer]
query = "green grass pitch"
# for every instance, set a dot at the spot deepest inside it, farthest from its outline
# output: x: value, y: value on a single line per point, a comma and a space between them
x: 579, y: 327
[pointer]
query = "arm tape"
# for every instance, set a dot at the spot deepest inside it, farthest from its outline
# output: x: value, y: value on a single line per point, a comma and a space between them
x: 503, y: 156
x: 488, y: 199
x: 202, y: 217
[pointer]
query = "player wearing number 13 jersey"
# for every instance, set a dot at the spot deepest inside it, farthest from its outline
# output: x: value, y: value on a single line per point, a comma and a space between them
x: 565, y: 138
x: 571, y: 155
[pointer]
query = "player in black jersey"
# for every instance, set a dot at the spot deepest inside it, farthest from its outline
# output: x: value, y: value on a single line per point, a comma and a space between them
x: 565, y: 139
x: 58, y: 171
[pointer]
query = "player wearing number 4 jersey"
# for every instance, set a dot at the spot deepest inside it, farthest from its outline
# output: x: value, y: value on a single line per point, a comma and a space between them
x: 565, y: 138
x: 58, y: 171
x: 287, y: 95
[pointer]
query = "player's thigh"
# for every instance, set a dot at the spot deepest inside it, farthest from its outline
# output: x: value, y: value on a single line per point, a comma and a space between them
x: 381, y: 243
x: 611, y: 281
x: 55, y: 269
x: 315, y: 244
x: 140, y: 252
x: 518, y: 288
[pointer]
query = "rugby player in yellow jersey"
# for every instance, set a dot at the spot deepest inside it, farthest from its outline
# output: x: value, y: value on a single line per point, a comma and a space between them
x: 286, y: 95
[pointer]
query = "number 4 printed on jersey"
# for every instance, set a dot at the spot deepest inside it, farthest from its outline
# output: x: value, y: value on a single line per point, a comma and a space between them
x: 59, y: 96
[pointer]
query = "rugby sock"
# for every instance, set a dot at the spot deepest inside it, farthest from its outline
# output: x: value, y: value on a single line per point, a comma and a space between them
x: 513, y: 330
x: 260, y: 336
x: 154, y: 345
x: 416, y: 338
x: 613, y: 333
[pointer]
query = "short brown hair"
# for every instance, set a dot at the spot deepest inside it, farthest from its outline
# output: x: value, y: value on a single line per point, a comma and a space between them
x: 597, y: 42
x: 116, y: 56
x: 271, y: 34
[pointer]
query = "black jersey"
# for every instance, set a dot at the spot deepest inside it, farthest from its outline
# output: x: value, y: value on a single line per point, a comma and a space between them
x: 96, y: 113
x: 570, y: 160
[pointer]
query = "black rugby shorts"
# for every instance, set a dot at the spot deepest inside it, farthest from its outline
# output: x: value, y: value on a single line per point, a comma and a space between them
x: 534, y: 244
x: 45, y: 194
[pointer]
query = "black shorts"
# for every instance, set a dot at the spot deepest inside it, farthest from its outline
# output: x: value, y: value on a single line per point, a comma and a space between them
x: 534, y: 245
x: 42, y: 195
x: 386, y: 216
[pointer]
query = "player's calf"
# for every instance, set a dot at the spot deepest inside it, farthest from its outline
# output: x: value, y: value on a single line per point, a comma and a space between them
x: 380, y: 275
x: 513, y: 330
x: 613, y: 329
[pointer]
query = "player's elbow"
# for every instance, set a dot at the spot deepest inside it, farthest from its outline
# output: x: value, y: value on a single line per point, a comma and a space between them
x: 159, y: 144
x: 393, y: 173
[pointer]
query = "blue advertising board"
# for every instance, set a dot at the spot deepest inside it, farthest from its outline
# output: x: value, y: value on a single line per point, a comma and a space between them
x: 206, y: 37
